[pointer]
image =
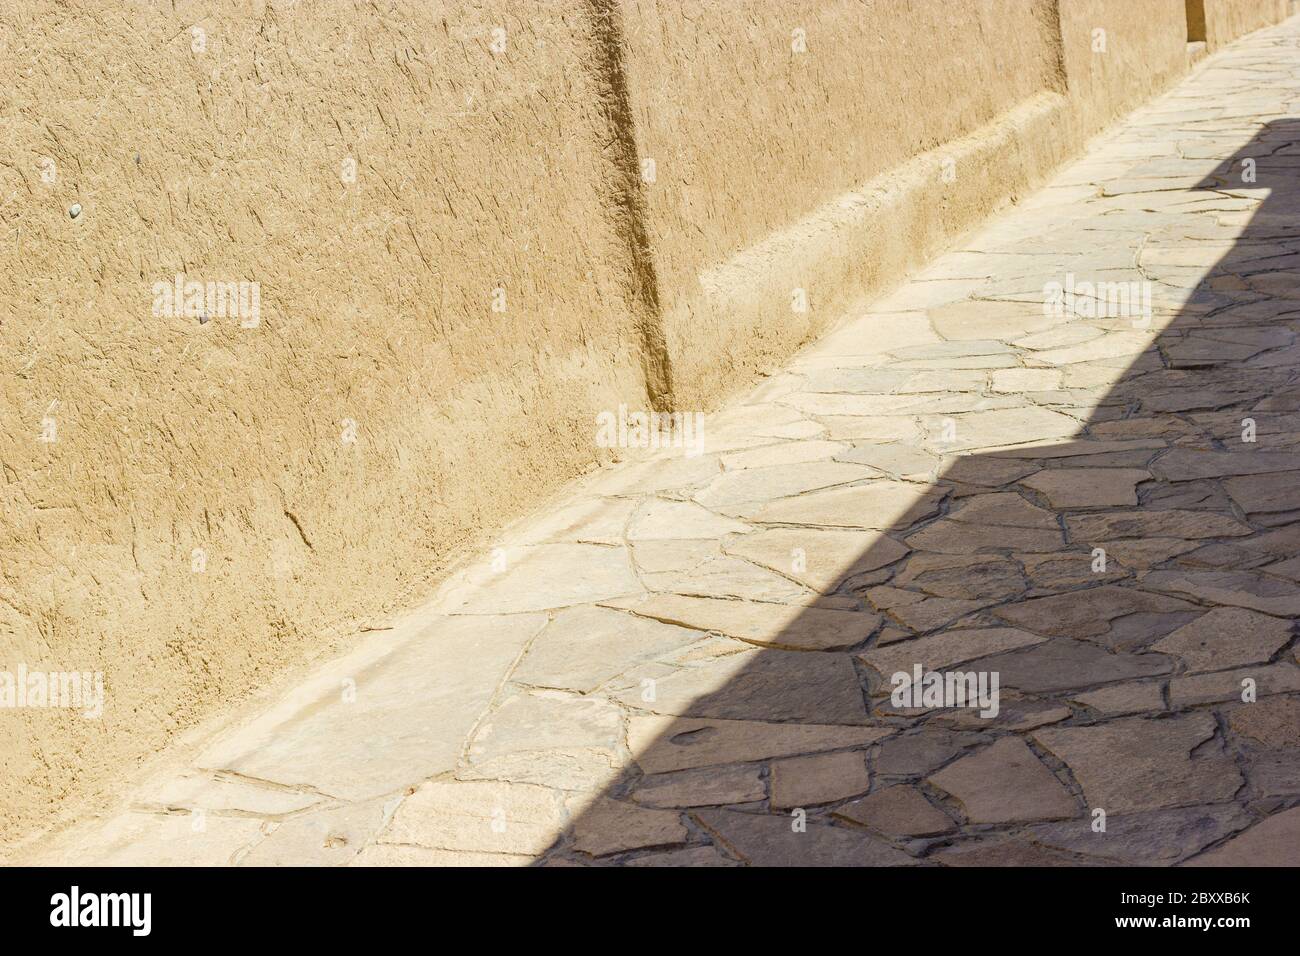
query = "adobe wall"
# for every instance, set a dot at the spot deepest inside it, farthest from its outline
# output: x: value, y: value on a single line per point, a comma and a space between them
x: 379, y: 418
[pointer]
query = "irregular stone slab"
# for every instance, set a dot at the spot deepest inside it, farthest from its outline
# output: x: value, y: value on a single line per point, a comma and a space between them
x: 1286, y: 569
x: 190, y: 792
x: 734, y: 488
x: 1284, y: 541
x: 1153, y: 524
x: 798, y: 431
x: 1226, y: 637
x: 989, y: 320
x: 389, y: 855
x: 1087, y: 613
x: 330, y: 837
x: 1124, y: 699
x: 1249, y: 589
x: 963, y: 576
x: 771, y: 625
x: 818, y: 778
x: 1274, y: 721
x: 1282, y: 285
x: 1145, y: 553
x: 550, y: 738
x: 1272, y: 773
x: 949, y: 536
x: 880, y: 506
x: 1155, y: 838
x: 1016, y: 380
x: 673, y: 555
x: 759, y: 685
x: 1139, y: 764
x: 920, y: 752
x: 940, y: 350
x: 1088, y: 487
x: 902, y: 461
x: 726, y: 578
x: 169, y: 839
x: 1064, y: 665
x: 1014, y: 852
x: 986, y: 471
x: 786, y: 453
x: 1198, y: 496
x: 1074, y: 448
x: 1282, y: 678
x: 1059, y: 337
x: 706, y: 787
x: 968, y: 362
x: 1115, y: 459
x: 1274, y: 842
x: 1191, y: 464
x: 891, y: 598
x: 412, y: 711
x: 946, y: 381
x: 662, y: 744
x: 1112, y: 345
x: 768, y: 840
x: 583, y: 647
x: 658, y: 474
x: 1003, y: 426
x: 545, y: 576
x: 820, y: 559
x: 589, y: 521
x: 860, y: 381
x: 1005, y: 783
x: 1004, y: 509
x: 478, y: 816
x: 1014, y: 715
x: 946, y: 649
x: 944, y: 401
x: 608, y: 826
x: 898, y: 811
x: 658, y: 519
x: 691, y: 856
x: 1069, y: 570
x: 931, y: 612
x: 1259, y: 494
x: 887, y: 428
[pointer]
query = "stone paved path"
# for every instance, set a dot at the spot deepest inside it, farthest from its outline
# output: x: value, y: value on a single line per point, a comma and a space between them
x: 688, y: 661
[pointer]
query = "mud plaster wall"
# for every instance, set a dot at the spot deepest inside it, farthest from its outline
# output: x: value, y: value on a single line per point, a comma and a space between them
x: 808, y: 156
x: 1142, y: 51
x: 1225, y: 20
x: 756, y: 115
x: 474, y: 172
x: 323, y: 467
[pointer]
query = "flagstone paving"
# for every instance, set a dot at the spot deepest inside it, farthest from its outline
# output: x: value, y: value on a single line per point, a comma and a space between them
x: 687, y: 662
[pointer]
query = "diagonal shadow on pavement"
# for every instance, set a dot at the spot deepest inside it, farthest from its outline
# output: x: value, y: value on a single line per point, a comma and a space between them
x: 1125, y: 581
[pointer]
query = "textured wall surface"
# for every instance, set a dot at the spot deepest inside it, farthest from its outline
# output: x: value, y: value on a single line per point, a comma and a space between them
x: 756, y: 115
x: 1225, y: 20
x: 190, y: 506
x: 1141, y: 50
x: 474, y: 171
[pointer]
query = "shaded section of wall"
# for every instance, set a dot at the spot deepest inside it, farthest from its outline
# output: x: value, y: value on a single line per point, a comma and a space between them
x: 1195, y: 21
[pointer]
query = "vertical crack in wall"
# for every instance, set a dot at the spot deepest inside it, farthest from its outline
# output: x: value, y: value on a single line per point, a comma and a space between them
x: 1196, y: 28
x: 626, y: 199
